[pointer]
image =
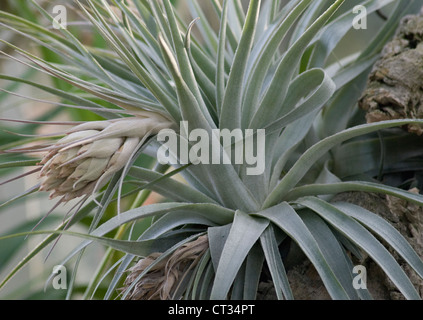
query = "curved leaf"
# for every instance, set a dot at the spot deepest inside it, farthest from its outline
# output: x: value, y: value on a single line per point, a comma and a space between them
x: 364, y: 239
x: 337, y: 29
x: 315, y: 81
x: 169, y: 187
x: 230, y: 116
x: 172, y: 220
x: 138, y: 248
x: 386, y: 231
x: 263, y: 58
x: 275, y: 264
x: 278, y: 88
x: 306, y: 161
x: 285, y: 217
x: 331, y: 249
x: 244, y: 233
x: 335, y: 188
x: 223, y: 179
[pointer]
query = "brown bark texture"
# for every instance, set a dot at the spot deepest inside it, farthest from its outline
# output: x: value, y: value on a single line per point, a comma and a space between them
x: 395, y: 87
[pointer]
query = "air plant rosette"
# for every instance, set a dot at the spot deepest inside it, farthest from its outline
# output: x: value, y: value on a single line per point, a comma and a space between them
x: 266, y: 67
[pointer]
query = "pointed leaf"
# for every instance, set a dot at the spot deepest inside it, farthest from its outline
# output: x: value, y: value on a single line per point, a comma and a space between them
x: 306, y: 161
x: 285, y: 217
x: 364, y: 239
x: 244, y: 233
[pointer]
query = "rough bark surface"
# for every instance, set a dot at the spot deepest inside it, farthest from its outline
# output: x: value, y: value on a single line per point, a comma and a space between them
x: 395, y: 87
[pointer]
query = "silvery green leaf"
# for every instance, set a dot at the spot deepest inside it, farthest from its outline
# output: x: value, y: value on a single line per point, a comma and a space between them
x: 244, y: 232
x: 287, y: 219
x: 364, y: 239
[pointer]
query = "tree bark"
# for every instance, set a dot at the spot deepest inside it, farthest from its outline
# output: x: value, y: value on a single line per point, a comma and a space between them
x: 395, y: 87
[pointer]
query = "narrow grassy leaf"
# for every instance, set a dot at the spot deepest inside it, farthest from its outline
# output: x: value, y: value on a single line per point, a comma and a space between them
x: 232, y: 191
x: 386, y: 231
x: 278, y: 88
x: 220, y: 65
x: 119, y: 274
x: 206, y: 30
x: 337, y: 29
x: 315, y: 81
x: 237, y: 289
x: 14, y: 20
x: 179, y: 46
x: 253, y: 271
x: 230, y: 34
x: 101, y: 92
x: 275, y: 263
x: 230, y: 116
x: 139, y: 248
x: 306, y: 161
x: 364, y: 239
x: 353, y: 70
x: 79, y: 101
x: 173, y: 220
x: 10, y: 247
x: 217, y: 239
x: 262, y: 57
x: 332, y: 251
x: 244, y: 233
x: 201, y: 269
x: 398, y: 148
x: 287, y: 143
x: 206, y: 283
x: 285, y: 218
x: 160, y: 20
x: 19, y: 164
x: 359, y: 186
x: 307, y: 19
x: 182, y: 55
x: 206, y: 86
x: 334, y: 119
x: 42, y: 245
x: 128, y: 58
x: 190, y: 108
x: 20, y: 196
x: 237, y: 10
x: 213, y: 212
x: 81, y: 48
x: 169, y: 187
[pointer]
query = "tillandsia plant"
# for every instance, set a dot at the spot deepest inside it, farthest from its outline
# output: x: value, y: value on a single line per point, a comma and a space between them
x: 196, y: 98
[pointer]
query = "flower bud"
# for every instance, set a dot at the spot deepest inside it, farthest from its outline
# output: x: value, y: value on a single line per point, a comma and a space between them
x: 85, y: 159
